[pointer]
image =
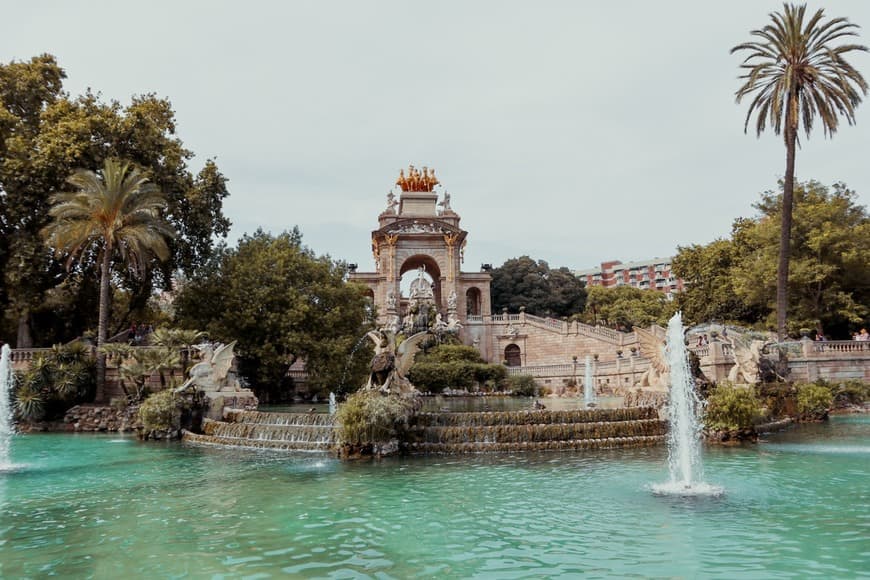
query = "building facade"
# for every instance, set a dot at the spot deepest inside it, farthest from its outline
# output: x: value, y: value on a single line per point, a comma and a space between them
x: 654, y: 274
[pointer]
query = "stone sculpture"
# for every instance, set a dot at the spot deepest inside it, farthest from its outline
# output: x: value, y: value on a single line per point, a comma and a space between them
x: 213, y: 373
x: 417, y: 181
x: 746, y: 361
x: 653, y: 348
x: 391, y: 363
x: 216, y: 382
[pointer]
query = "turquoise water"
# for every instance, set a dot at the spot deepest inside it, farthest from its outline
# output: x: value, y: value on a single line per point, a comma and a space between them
x: 796, y: 505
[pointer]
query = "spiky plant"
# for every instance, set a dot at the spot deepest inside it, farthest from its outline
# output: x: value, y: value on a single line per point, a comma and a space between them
x: 795, y: 74
x: 29, y: 403
x: 118, y: 213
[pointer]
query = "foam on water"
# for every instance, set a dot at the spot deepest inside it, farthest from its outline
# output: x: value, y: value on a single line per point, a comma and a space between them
x: 682, y: 490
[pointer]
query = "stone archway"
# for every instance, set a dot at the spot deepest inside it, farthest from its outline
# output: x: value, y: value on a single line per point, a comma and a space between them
x: 473, y: 301
x: 430, y: 266
x: 513, y: 356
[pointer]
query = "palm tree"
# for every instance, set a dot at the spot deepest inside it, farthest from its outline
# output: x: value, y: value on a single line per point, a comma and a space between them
x: 796, y: 75
x: 179, y: 341
x: 117, y: 213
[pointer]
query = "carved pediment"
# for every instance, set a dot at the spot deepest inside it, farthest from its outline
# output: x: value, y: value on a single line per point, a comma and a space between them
x: 418, y: 226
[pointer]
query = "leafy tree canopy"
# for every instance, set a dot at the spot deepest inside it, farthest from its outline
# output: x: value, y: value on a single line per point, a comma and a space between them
x: 624, y: 307
x: 541, y: 290
x: 829, y: 282
x: 45, y: 136
x: 281, y: 303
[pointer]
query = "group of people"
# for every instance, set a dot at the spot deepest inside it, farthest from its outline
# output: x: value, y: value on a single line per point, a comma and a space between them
x: 138, y: 334
x: 861, y: 335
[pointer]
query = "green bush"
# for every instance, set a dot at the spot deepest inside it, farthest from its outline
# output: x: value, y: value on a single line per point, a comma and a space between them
x: 447, y: 353
x: 852, y: 392
x: 435, y: 377
x: 161, y: 411
x: 369, y: 417
x: 453, y: 366
x: 522, y: 385
x: 731, y: 408
x: 814, y: 400
x: 56, y: 381
x: 780, y: 399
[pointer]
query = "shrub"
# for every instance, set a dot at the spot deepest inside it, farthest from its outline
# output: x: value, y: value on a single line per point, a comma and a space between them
x: 731, y: 408
x: 852, y: 392
x: 814, y: 400
x: 161, y: 412
x: 56, y: 381
x: 370, y: 417
x: 453, y: 366
x: 522, y: 385
x: 780, y: 399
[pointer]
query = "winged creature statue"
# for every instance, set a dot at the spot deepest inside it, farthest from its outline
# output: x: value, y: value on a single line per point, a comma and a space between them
x: 391, y: 364
x: 652, y: 347
x: 212, y: 374
x: 747, y: 355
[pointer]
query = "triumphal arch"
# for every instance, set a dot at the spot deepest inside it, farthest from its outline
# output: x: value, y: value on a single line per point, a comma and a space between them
x: 419, y: 231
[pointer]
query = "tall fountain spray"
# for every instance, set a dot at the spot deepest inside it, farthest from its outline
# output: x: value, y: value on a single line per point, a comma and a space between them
x: 684, y: 436
x: 588, y: 386
x: 332, y: 403
x: 6, y: 428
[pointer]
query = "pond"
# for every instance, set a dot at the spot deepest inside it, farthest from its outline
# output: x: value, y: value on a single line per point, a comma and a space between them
x: 796, y: 504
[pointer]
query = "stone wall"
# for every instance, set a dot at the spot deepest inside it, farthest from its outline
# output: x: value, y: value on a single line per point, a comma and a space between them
x: 92, y: 418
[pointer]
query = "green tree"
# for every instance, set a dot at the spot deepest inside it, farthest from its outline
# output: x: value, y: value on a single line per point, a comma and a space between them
x: 709, y: 284
x: 794, y: 74
x: 45, y: 135
x: 542, y: 291
x: 282, y: 304
x: 829, y: 282
x: 624, y: 307
x: 116, y: 214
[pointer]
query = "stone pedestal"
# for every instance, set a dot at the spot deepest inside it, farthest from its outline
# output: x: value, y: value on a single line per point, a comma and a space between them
x: 217, y: 401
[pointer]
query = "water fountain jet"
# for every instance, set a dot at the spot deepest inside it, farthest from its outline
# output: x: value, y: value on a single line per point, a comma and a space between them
x: 588, y: 385
x: 7, y: 429
x: 684, y: 433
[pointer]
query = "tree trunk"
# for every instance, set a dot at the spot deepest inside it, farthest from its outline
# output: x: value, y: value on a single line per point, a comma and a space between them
x: 785, y: 230
x: 103, y: 323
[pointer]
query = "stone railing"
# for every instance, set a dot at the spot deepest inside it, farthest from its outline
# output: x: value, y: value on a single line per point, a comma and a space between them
x: 701, y: 351
x: 25, y: 355
x: 620, y: 366
x: 836, y: 346
x: 546, y: 370
x: 599, y: 332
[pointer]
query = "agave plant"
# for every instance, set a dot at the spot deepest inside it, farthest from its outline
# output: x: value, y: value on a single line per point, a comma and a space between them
x: 29, y: 403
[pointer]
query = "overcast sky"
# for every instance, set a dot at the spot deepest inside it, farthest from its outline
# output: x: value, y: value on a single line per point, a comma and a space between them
x: 574, y: 132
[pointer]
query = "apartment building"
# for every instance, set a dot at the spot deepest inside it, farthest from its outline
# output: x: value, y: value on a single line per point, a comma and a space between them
x: 654, y: 274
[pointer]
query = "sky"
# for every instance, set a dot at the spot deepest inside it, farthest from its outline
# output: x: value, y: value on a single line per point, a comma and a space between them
x: 572, y: 132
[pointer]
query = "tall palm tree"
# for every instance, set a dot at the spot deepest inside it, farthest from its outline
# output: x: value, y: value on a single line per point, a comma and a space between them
x: 796, y: 74
x: 118, y: 213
